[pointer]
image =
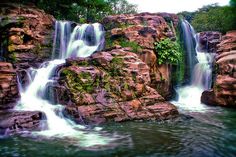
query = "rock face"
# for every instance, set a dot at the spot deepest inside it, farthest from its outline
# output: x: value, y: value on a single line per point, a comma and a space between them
x: 25, y: 41
x: 111, y: 86
x: 9, y: 93
x: 209, y: 41
x: 224, y: 91
x: 139, y: 32
x: 14, y: 122
x: 26, y: 35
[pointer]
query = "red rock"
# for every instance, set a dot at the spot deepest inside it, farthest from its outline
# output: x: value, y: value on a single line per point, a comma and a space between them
x: 144, y: 29
x: 12, y: 122
x: 28, y: 30
x: 120, y: 90
x: 8, y: 86
x: 224, y: 91
x: 209, y: 41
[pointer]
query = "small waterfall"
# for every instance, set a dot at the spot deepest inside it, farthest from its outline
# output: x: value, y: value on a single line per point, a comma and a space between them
x: 188, y: 37
x: 82, y: 42
x: 189, y: 97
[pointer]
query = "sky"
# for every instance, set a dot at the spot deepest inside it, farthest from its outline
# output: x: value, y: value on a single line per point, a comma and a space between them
x: 173, y: 6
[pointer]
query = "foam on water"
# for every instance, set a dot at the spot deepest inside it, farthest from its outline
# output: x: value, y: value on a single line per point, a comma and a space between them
x: 66, y: 44
x: 189, y: 97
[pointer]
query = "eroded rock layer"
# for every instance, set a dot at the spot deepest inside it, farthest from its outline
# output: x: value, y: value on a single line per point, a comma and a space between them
x: 9, y: 93
x: 110, y: 86
x: 224, y: 90
x: 139, y: 32
x: 208, y: 41
x: 17, y: 121
x: 26, y: 35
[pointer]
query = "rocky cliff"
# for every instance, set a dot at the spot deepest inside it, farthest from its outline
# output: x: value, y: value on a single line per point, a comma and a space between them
x: 26, y: 35
x: 110, y: 86
x: 9, y: 93
x: 25, y: 41
x: 224, y: 89
x: 139, y: 32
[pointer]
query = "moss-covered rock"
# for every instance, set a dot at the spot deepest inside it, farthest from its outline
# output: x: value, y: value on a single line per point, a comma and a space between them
x: 138, y: 33
x: 112, y: 86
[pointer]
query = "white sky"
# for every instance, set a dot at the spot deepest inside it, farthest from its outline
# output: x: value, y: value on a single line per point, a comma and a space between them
x: 173, y: 6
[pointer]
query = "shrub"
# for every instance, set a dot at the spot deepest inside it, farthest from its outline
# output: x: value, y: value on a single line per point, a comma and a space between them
x: 167, y: 51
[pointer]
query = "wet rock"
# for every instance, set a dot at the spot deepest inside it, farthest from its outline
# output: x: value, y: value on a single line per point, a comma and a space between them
x: 12, y: 122
x: 112, y: 86
x: 9, y: 93
x: 209, y: 41
x: 224, y: 89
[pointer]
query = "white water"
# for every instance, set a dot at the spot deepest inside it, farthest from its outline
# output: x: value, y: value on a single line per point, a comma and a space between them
x: 189, y: 97
x: 32, y: 99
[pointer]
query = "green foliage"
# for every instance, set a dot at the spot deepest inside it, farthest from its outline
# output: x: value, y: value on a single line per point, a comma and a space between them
x: 83, y: 10
x: 167, y: 51
x: 212, y: 17
x: 82, y: 82
x: 189, y: 16
x: 232, y: 3
x: 221, y: 19
x: 122, y: 7
x: 178, y: 72
x: 116, y: 65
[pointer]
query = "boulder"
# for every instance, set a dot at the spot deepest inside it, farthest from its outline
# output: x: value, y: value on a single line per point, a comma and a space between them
x: 111, y: 86
x: 12, y: 122
x: 224, y: 89
x: 9, y: 93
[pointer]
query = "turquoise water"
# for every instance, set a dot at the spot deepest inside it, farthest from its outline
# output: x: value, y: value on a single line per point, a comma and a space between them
x: 209, y: 133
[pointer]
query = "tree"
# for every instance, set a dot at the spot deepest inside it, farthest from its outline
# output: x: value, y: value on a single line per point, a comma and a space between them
x: 81, y: 10
x: 232, y: 3
x: 122, y: 7
x: 217, y: 18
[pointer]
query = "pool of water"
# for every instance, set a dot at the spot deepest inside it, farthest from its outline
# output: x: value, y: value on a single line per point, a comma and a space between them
x: 208, y: 133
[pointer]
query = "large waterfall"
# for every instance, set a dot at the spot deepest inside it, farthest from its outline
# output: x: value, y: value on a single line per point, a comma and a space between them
x: 189, y: 96
x: 81, y: 42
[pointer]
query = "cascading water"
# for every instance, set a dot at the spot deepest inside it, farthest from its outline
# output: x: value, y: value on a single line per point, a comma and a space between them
x: 189, y: 97
x: 187, y: 35
x: 82, y: 42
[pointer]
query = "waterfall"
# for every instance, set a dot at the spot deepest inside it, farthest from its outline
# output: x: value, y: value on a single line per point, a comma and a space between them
x: 188, y: 37
x: 81, y: 42
x: 200, y: 79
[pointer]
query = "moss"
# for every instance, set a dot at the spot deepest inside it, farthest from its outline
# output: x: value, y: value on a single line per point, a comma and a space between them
x: 109, y: 43
x: 125, y: 25
x: 126, y: 85
x: 95, y: 63
x: 179, y: 70
x: 116, y: 65
x: 11, y: 48
x: 13, y: 57
x: 80, y: 63
x: 112, y: 25
x: 82, y: 82
x: 123, y: 42
x: 133, y: 45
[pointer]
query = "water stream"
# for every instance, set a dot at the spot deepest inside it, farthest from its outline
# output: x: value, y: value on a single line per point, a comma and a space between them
x: 81, y: 42
x: 200, y: 131
x: 189, y: 96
